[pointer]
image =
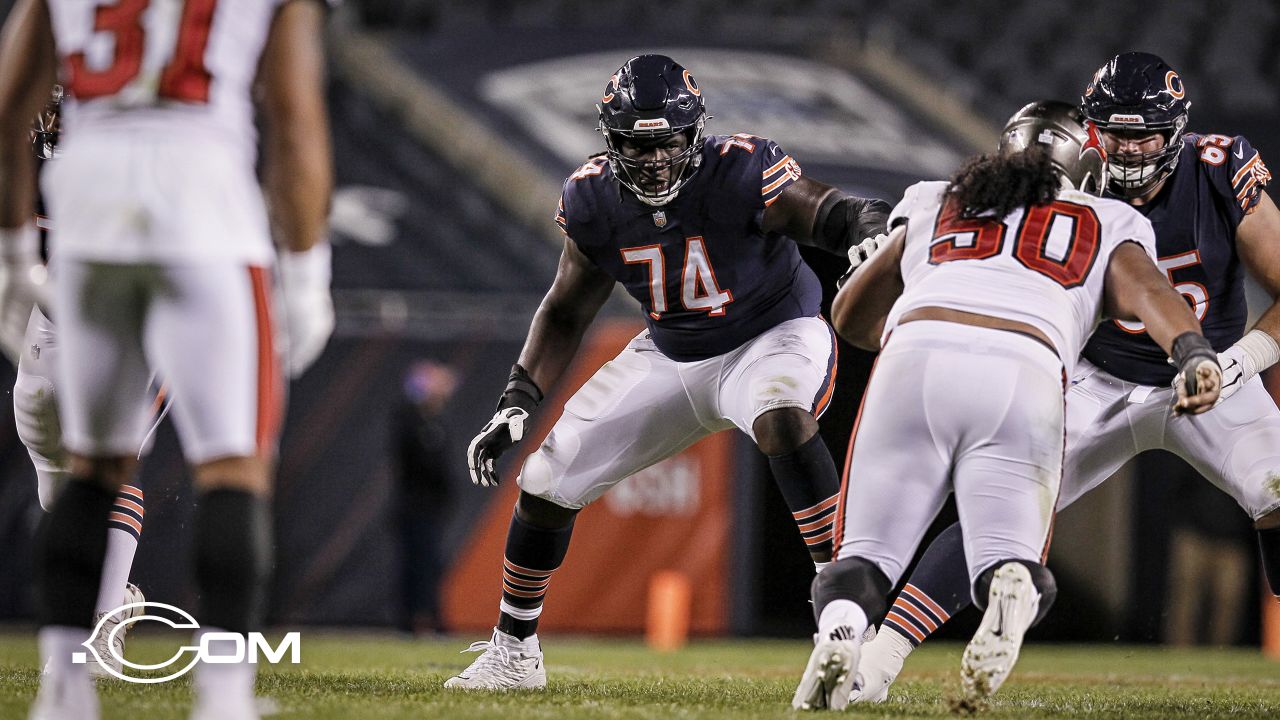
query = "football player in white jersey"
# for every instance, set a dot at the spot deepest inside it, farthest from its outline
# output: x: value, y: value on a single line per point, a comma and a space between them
x: 163, y: 257
x: 982, y: 299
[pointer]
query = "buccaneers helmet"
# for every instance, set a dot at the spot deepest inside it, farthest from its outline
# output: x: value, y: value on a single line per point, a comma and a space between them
x: 649, y: 99
x: 1138, y: 91
x: 1071, y: 141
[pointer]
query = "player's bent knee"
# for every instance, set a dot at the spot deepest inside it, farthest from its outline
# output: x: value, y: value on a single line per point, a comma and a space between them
x: 36, y: 417
x: 783, y: 430
x: 542, y: 513
x: 856, y: 579
x: 536, y: 477
x: 1270, y: 521
x: 251, y: 474
x: 1045, y: 584
x: 49, y: 485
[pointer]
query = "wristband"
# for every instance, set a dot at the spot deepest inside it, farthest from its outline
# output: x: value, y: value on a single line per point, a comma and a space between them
x: 521, y: 391
x: 1260, y: 348
x: 1188, y: 345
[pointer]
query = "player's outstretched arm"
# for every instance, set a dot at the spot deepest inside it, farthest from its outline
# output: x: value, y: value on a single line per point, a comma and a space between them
x: 576, y: 295
x: 1137, y: 290
x: 1256, y: 240
x: 28, y: 65
x: 816, y: 214
x: 862, y: 305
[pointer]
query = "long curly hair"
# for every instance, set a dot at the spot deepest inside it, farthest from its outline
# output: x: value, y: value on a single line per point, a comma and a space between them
x: 1000, y: 184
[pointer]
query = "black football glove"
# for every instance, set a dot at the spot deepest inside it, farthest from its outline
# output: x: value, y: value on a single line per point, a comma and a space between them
x: 506, y: 428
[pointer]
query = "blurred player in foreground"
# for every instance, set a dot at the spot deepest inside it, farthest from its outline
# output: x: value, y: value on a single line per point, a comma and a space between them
x: 700, y: 230
x: 162, y: 262
x: 35, y: 413
x: 1213, y: 221
x: 982, y: 298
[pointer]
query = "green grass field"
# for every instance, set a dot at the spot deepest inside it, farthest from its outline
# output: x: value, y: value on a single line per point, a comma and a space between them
x: 351, y: 677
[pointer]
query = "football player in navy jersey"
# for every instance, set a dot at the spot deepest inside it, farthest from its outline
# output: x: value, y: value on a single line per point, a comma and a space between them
x: 39, y: 427
x: 700, y: 230
x: 1213, y: 221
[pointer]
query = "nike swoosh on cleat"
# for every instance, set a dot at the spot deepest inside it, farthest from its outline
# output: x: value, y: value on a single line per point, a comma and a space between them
x: 998, y: 630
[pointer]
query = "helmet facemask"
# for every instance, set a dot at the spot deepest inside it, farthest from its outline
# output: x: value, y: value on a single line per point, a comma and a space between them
x: 1135, y: 174
x: 641, y: 176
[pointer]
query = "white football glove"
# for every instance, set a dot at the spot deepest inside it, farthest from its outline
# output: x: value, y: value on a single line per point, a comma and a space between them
x: 506, y: 428
x: 308, y: 305
x: 22, y: 287
x: 1252, y: 354
x: 860, y: 253
x: 863, y: 251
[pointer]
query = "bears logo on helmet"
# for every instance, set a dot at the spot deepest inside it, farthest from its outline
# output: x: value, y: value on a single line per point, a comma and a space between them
x: 647, y: 101
x: 1138, y: 92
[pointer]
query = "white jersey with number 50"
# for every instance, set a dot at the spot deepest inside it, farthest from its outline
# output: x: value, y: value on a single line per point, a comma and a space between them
x: 1043, y: 265
x: 178, y: 67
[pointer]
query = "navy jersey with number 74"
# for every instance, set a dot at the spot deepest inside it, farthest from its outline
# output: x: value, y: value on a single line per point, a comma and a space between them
x: 708, y: 277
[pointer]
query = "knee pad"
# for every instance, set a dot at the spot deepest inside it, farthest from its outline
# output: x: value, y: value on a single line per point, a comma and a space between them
x: 49, y: 484
x: 853, y: 579
x: 536, y: 477
x: 1040, y: 577
x: 35, y: 416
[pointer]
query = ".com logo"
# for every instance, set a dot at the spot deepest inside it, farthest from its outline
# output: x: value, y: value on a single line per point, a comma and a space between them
x: 214, y: 647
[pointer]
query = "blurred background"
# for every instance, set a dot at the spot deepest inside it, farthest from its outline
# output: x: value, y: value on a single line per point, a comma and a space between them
x: 455, y: 123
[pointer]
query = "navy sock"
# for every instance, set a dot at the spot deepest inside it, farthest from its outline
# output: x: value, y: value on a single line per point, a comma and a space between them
x: 233, y: 559
x: 936, y: 590
x: 810, y: 485
x: 69, y: 549
x: 533, y: 554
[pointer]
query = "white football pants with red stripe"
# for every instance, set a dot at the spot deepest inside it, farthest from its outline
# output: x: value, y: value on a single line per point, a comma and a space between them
x: 954, y: 407
x: 204, y: 327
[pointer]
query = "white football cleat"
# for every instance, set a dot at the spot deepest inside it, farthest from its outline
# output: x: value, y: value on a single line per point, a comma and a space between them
x: 111, y: 648
x: 1012, y: 602
x: 505, y: 663
x: 828, y: 678
x: 881, y: 662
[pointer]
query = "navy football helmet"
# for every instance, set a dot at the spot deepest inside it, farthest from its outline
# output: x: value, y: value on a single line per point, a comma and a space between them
x: 1138, y: 91
x: 47, y: 127
x: 648, y: 100
x: 1069, y: 139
